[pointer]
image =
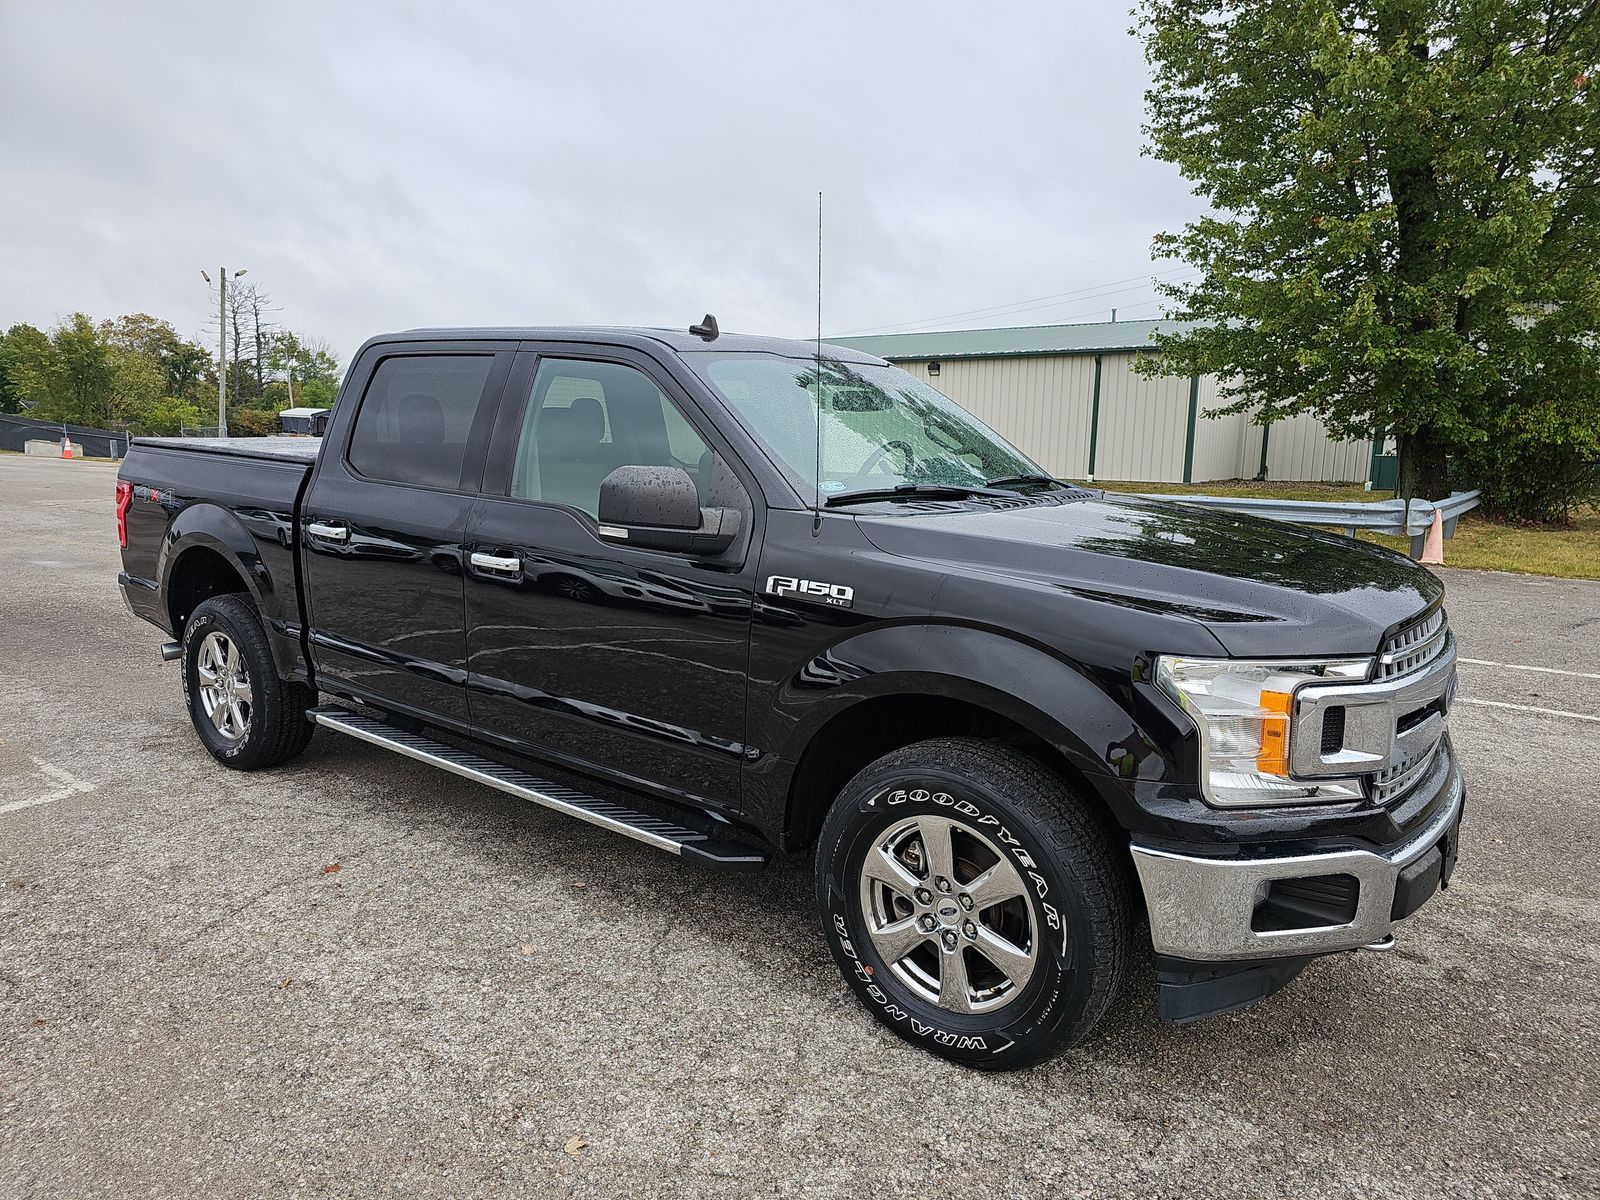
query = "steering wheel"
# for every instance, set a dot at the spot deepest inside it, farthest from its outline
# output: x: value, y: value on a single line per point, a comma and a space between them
x: 882, y: 453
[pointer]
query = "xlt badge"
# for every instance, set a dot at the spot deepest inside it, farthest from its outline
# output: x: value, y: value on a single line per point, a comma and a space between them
x: 836, y: 594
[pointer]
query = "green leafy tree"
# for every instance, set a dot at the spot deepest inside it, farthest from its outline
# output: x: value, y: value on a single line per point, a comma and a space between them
x: 1405, y: 216
x: 254, y: 422
x: 137, y: 369
x: 189, y: 370
x: 10, y: 396
x: 168, y: 415
x: 137, y: 382
x: 78, y: 378
x: 30, y: 365
x: 314, y: 365
x: 182, y: 364
x: 140, y: 333
x: 274, y: 396
x: 318, y: 393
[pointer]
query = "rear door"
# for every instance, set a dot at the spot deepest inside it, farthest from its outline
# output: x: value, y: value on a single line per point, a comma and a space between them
x: 617, y: 660
x: 383, y: 522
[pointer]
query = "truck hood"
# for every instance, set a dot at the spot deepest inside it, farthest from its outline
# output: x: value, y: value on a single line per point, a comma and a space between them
x: 1263, y: 588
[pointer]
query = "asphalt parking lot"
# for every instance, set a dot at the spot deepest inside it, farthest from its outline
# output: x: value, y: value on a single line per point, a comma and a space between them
x: 194, y: 1001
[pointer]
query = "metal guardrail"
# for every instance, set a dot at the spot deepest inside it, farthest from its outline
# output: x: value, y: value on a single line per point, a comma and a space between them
x: 1398, y: 517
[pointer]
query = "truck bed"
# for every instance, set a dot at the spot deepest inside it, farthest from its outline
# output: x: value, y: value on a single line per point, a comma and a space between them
x: 236, y: 496
x: 277, y: 449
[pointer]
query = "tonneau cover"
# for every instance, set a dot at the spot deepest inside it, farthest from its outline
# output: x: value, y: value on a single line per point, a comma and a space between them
x: 280, y: 449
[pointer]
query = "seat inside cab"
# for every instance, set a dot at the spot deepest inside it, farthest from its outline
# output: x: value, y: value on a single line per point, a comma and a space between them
x: 586, y: 419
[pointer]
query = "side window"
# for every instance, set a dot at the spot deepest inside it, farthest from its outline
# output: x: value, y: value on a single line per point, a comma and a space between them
x: 586, y: 419
x: 415, y: 418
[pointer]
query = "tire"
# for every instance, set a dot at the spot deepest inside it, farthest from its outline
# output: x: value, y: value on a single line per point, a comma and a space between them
x: 246, y: 716
x: 1012, y: 826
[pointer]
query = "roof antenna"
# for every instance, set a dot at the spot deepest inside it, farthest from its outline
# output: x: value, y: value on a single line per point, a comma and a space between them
x: 816, y: 481
x: 707, y: 329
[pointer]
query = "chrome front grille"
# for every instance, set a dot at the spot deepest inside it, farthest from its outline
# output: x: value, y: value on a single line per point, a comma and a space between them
x: 1397, y: 780
x: 1385, y: 731
x: 1415, y: 646
x: 1410, y: 650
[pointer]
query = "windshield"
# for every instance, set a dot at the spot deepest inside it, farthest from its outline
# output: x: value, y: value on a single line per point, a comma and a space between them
x: 881, y: 428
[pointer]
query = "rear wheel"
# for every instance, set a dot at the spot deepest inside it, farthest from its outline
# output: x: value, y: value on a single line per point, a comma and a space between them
x: 972, y: 903
x: 246, y: 716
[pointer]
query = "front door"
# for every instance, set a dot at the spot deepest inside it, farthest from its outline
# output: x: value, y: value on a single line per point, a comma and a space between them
x: 382, y: 528
x: 624, y: 662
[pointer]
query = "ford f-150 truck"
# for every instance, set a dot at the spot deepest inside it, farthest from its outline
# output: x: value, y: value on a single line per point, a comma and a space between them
x: 736, y: 597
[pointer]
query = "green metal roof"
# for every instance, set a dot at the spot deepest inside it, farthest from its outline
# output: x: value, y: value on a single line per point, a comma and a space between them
x: 1095, y: 338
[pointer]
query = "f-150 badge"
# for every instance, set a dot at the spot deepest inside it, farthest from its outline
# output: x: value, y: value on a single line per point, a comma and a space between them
x: 836, y: 594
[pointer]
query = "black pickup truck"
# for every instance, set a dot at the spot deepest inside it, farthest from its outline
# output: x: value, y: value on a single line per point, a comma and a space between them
x: 736, y: 596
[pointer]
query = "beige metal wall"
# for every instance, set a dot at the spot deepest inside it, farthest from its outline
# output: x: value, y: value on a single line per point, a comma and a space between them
x: 1300, y: 448
x: 1043, y: 403
x: 1216, y: 439
x: 1039, y: 403
x: 1143, y: 423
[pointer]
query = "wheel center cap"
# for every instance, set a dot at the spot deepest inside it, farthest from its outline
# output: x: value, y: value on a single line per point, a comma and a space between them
x: 948, y: 912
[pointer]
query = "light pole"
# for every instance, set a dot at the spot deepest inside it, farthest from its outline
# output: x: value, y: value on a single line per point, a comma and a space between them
x: 222, y: 345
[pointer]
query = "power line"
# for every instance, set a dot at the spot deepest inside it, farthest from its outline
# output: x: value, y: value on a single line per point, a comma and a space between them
x: 1059, y: 303
x: 996, y: 309
x: 1122, y: 310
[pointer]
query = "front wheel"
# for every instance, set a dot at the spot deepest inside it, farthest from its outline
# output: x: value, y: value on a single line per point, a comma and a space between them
x: 246, y: 716
x: 972, y: 902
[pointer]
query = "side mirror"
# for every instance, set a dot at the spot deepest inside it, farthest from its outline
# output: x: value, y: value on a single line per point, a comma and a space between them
x: 658, y: 508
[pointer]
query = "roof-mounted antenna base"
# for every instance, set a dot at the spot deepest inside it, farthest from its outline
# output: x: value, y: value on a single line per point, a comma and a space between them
x: 707, y: 329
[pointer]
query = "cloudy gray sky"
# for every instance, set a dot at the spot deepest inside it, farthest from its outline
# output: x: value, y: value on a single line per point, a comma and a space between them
x: 380, y: 166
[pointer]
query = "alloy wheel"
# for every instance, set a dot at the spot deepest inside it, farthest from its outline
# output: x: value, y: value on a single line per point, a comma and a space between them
x: 224, y: 686
x: 950, y: 914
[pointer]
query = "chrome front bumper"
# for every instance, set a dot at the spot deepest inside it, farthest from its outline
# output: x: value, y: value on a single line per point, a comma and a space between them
x: 1201, y: 908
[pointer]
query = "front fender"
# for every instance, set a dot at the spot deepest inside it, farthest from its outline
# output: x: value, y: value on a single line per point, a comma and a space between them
x: 1101, y: 721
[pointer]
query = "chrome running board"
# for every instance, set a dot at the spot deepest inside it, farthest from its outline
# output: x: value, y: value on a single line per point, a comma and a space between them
x: 641, y: 827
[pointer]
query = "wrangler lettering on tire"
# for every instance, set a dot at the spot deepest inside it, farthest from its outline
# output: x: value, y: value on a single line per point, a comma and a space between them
x: 972, y: 902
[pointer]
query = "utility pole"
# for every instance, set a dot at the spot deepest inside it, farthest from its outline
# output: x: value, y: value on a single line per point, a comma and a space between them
x: 222, y: 353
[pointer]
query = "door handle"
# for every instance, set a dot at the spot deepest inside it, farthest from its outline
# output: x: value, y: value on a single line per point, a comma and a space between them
x: 333, y: 532
x: 494, y: 562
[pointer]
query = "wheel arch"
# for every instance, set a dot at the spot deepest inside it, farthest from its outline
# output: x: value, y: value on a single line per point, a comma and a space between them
x: 209, y: 552
x: 987, y: 685
x: 199, y: 569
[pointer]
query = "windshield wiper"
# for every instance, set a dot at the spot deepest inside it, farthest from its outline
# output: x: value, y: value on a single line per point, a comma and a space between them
x: 916, y: 491
x: 1006, y: 481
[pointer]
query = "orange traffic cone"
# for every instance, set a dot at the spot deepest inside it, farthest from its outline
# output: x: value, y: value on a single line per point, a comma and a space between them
x: 1433, y: 544
x: 66, y: 447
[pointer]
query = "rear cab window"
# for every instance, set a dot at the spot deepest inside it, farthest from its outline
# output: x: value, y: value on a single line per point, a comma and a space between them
x: 417, y: 416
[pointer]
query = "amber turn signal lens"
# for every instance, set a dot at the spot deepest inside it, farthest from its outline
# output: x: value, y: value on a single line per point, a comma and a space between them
x: 1273, y: 758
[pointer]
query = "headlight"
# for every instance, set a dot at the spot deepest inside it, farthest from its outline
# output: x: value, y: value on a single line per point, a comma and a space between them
x: 1245, y: 714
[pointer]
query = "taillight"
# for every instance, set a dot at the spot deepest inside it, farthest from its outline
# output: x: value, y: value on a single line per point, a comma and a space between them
x: 124, y: 498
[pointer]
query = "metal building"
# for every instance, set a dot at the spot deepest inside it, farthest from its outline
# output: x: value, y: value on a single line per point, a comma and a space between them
x: 1067, y: 396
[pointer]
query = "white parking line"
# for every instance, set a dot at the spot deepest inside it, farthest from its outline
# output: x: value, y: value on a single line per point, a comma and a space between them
x: 1533, y: 708
x: 1484, y: 662
x: 66, y: 783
